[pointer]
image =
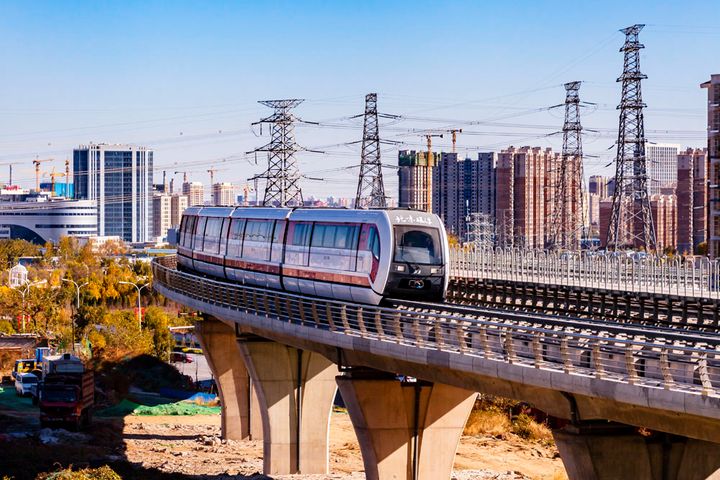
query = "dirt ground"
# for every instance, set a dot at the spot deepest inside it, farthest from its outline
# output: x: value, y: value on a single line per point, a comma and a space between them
x: 185, y: 447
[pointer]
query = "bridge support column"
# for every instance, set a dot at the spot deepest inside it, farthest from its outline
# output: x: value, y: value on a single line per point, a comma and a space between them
x: 295, y: 390
x: 406, y: 431
x: 228, y: 368
x: 606, y: 451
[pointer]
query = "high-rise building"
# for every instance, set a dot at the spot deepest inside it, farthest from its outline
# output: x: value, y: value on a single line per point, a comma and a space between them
x: 462, y: 188
x: 412, y: 179
x: 119, y: 178
x: 598, y: 185
x: 524, y: 202
x: 691, y: 199
x: 664, y: 212
x: 661, y: 161
x: 223, y: 194
x: 195, y: 192
x: 161, y: 214
x: 713, y: 162
x: 178, y: 204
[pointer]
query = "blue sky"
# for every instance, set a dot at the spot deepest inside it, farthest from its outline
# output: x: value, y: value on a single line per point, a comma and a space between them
x: 185, y: 77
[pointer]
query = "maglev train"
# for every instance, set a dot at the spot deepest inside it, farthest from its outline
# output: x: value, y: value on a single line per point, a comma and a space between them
x: 360, y: 256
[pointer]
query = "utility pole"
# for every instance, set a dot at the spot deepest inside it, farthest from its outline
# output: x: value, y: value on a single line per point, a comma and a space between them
x: 631, y: 222
x: 370, y: 191
x: 429, y: 171
x: 566, y: 219
x: 282, y: 174
x: 454, y: 133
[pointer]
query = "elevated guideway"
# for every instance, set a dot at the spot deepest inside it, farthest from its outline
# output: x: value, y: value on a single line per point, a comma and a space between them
x: 677, y: 293
x: 604, y: 378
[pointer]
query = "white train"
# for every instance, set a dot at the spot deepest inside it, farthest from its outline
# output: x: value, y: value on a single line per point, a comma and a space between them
x: 354, y: 255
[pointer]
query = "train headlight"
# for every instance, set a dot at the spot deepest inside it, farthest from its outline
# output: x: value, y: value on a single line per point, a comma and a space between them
x: 400, y: 268
x: 433, y: 270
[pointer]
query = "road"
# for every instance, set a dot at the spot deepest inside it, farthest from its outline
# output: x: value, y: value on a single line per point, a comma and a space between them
x: 198, y: 369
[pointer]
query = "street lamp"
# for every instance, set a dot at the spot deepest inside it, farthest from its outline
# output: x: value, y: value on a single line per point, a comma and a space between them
x: 24, y: 292
x: 139, y: 288
x: 77, y: 308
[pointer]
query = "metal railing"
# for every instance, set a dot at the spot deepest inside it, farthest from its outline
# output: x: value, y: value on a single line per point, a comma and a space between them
x: 695, y: 371
x: 699, y: 277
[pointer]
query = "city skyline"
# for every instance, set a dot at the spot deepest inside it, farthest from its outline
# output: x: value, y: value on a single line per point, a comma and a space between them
x: 179, y: 103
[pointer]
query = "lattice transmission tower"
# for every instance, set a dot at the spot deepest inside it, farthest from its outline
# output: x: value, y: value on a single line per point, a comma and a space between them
x: 566, y: 222
x: 631, y: 223
x: 371, y: 190
x: 282, y: 174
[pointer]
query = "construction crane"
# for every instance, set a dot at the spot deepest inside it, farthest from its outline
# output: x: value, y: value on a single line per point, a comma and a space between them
x: 67, y: 178
x: 212, y: 171
x: 428, y: 170
x: 37, y: 163
x: 9, y: 164
x: 53, y: 176
x: 246, y: 188
x: 454, y: 133
x: 185, y: 173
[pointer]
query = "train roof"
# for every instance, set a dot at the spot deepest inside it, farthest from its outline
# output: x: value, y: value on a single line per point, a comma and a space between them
x: 269, y: 213
x: 336, y: 214
x: 216, y: 211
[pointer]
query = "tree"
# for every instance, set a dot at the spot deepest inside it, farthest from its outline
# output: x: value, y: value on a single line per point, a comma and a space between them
x: 11, y: 250
x: 158, y: 321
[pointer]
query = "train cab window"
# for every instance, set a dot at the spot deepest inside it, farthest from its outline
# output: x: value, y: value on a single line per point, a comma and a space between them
x: 418, y: 245
x: 235, y: 237
x: 256, y: 243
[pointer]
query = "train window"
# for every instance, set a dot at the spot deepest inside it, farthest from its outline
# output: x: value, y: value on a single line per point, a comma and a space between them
x: 237, y: 229
x: 418, y: 245
x: 199, y: 233
x: 212, y: 235
x: 183, y: 228
x: 256, y: 243
x: 278, y: 238
x: 335, y: 236
x: 374, y: 242
x: 301, y: 234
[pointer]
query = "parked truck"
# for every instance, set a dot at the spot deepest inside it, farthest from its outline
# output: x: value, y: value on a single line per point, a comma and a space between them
x: 66, y: 393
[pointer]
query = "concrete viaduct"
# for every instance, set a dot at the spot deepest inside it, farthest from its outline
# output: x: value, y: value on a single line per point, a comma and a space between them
x: 278, y: 358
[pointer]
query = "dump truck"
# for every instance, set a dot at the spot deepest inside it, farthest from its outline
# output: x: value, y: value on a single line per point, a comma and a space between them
x: 66, y: 393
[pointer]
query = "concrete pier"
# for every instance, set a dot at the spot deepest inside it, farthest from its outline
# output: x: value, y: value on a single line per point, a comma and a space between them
x: 608, y: 451
x: 406, y: 431
x: 220, y: 348
x: 295, y: 390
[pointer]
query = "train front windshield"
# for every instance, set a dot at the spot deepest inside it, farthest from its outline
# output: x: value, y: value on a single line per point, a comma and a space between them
x: 418, y: 245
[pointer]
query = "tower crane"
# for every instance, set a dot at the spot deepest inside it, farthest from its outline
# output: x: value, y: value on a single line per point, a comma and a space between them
x: 9, y: 164
x: 454, y: 133
x: 37, y: 163
x: 185, y: 173
x: 212, y: 171
x: 428, y: 170
x: 53, y: 176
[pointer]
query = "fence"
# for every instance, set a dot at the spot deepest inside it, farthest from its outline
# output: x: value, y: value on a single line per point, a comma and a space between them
x: 698, y: 277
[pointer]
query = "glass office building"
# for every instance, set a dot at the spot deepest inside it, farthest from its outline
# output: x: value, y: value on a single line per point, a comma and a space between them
x: 119, y: 178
